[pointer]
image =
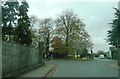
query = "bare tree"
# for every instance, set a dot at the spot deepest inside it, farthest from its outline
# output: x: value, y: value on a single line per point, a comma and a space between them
x: 46, y: 27
x: 71, y: 29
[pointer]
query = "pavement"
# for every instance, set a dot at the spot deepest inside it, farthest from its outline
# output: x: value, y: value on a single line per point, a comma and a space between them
x: 42, y: 71
x: 114, y: 66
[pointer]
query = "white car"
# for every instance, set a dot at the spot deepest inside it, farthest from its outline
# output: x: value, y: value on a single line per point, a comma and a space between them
x: 101, y: 57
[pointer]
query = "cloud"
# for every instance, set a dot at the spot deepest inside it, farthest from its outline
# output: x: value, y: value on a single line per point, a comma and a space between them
x: 101, y: 46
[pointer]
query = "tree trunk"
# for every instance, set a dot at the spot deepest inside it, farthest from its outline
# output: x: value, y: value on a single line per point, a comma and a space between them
x: 66, y: 46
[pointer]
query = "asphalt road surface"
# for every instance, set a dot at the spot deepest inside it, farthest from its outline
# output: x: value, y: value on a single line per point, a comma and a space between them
x: 95, y: 68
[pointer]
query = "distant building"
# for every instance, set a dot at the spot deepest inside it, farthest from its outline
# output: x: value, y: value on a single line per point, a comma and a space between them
x: 114, y: 53
x: 108, y: 54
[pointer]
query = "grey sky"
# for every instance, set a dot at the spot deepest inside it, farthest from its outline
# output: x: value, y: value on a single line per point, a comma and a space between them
x: 96, y: 15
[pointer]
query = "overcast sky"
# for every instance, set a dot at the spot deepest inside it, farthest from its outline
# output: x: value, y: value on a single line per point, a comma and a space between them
x: 96, y: 15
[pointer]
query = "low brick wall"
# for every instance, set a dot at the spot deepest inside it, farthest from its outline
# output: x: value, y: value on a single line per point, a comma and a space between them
x: 17, y: 58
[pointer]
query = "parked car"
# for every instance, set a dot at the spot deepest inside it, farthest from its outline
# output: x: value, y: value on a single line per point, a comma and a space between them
x: 101, y: 57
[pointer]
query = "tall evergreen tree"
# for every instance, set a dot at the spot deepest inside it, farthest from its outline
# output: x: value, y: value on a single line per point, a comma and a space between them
x: 114, y: 32
x: 23, y: 32
x: 9, y: 12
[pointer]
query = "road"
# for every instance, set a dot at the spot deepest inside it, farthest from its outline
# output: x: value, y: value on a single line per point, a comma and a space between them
x: 72, y: 68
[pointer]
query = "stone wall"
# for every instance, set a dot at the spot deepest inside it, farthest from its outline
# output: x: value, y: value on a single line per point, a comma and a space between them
x: 17, y: 57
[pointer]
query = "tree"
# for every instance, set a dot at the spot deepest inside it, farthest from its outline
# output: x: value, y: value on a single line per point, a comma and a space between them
x: 100, y: 52
x: 46, y: 29
x: 71, y: 29
x: 114, y: 32
x: 84, y: 53
x: 23, y: 31
x: 35, y: 37
x: 83, y: 42
x: 33, y: 20
x: 35, y: 34
x: 9, y: 17
x: 58, y: 45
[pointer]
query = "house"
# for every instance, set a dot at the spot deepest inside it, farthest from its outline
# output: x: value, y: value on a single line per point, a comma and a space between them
x: 114, y: 53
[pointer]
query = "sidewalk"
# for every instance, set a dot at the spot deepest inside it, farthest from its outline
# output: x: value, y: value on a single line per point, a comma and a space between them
x: 113, y: 66
x: 39, y: 72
